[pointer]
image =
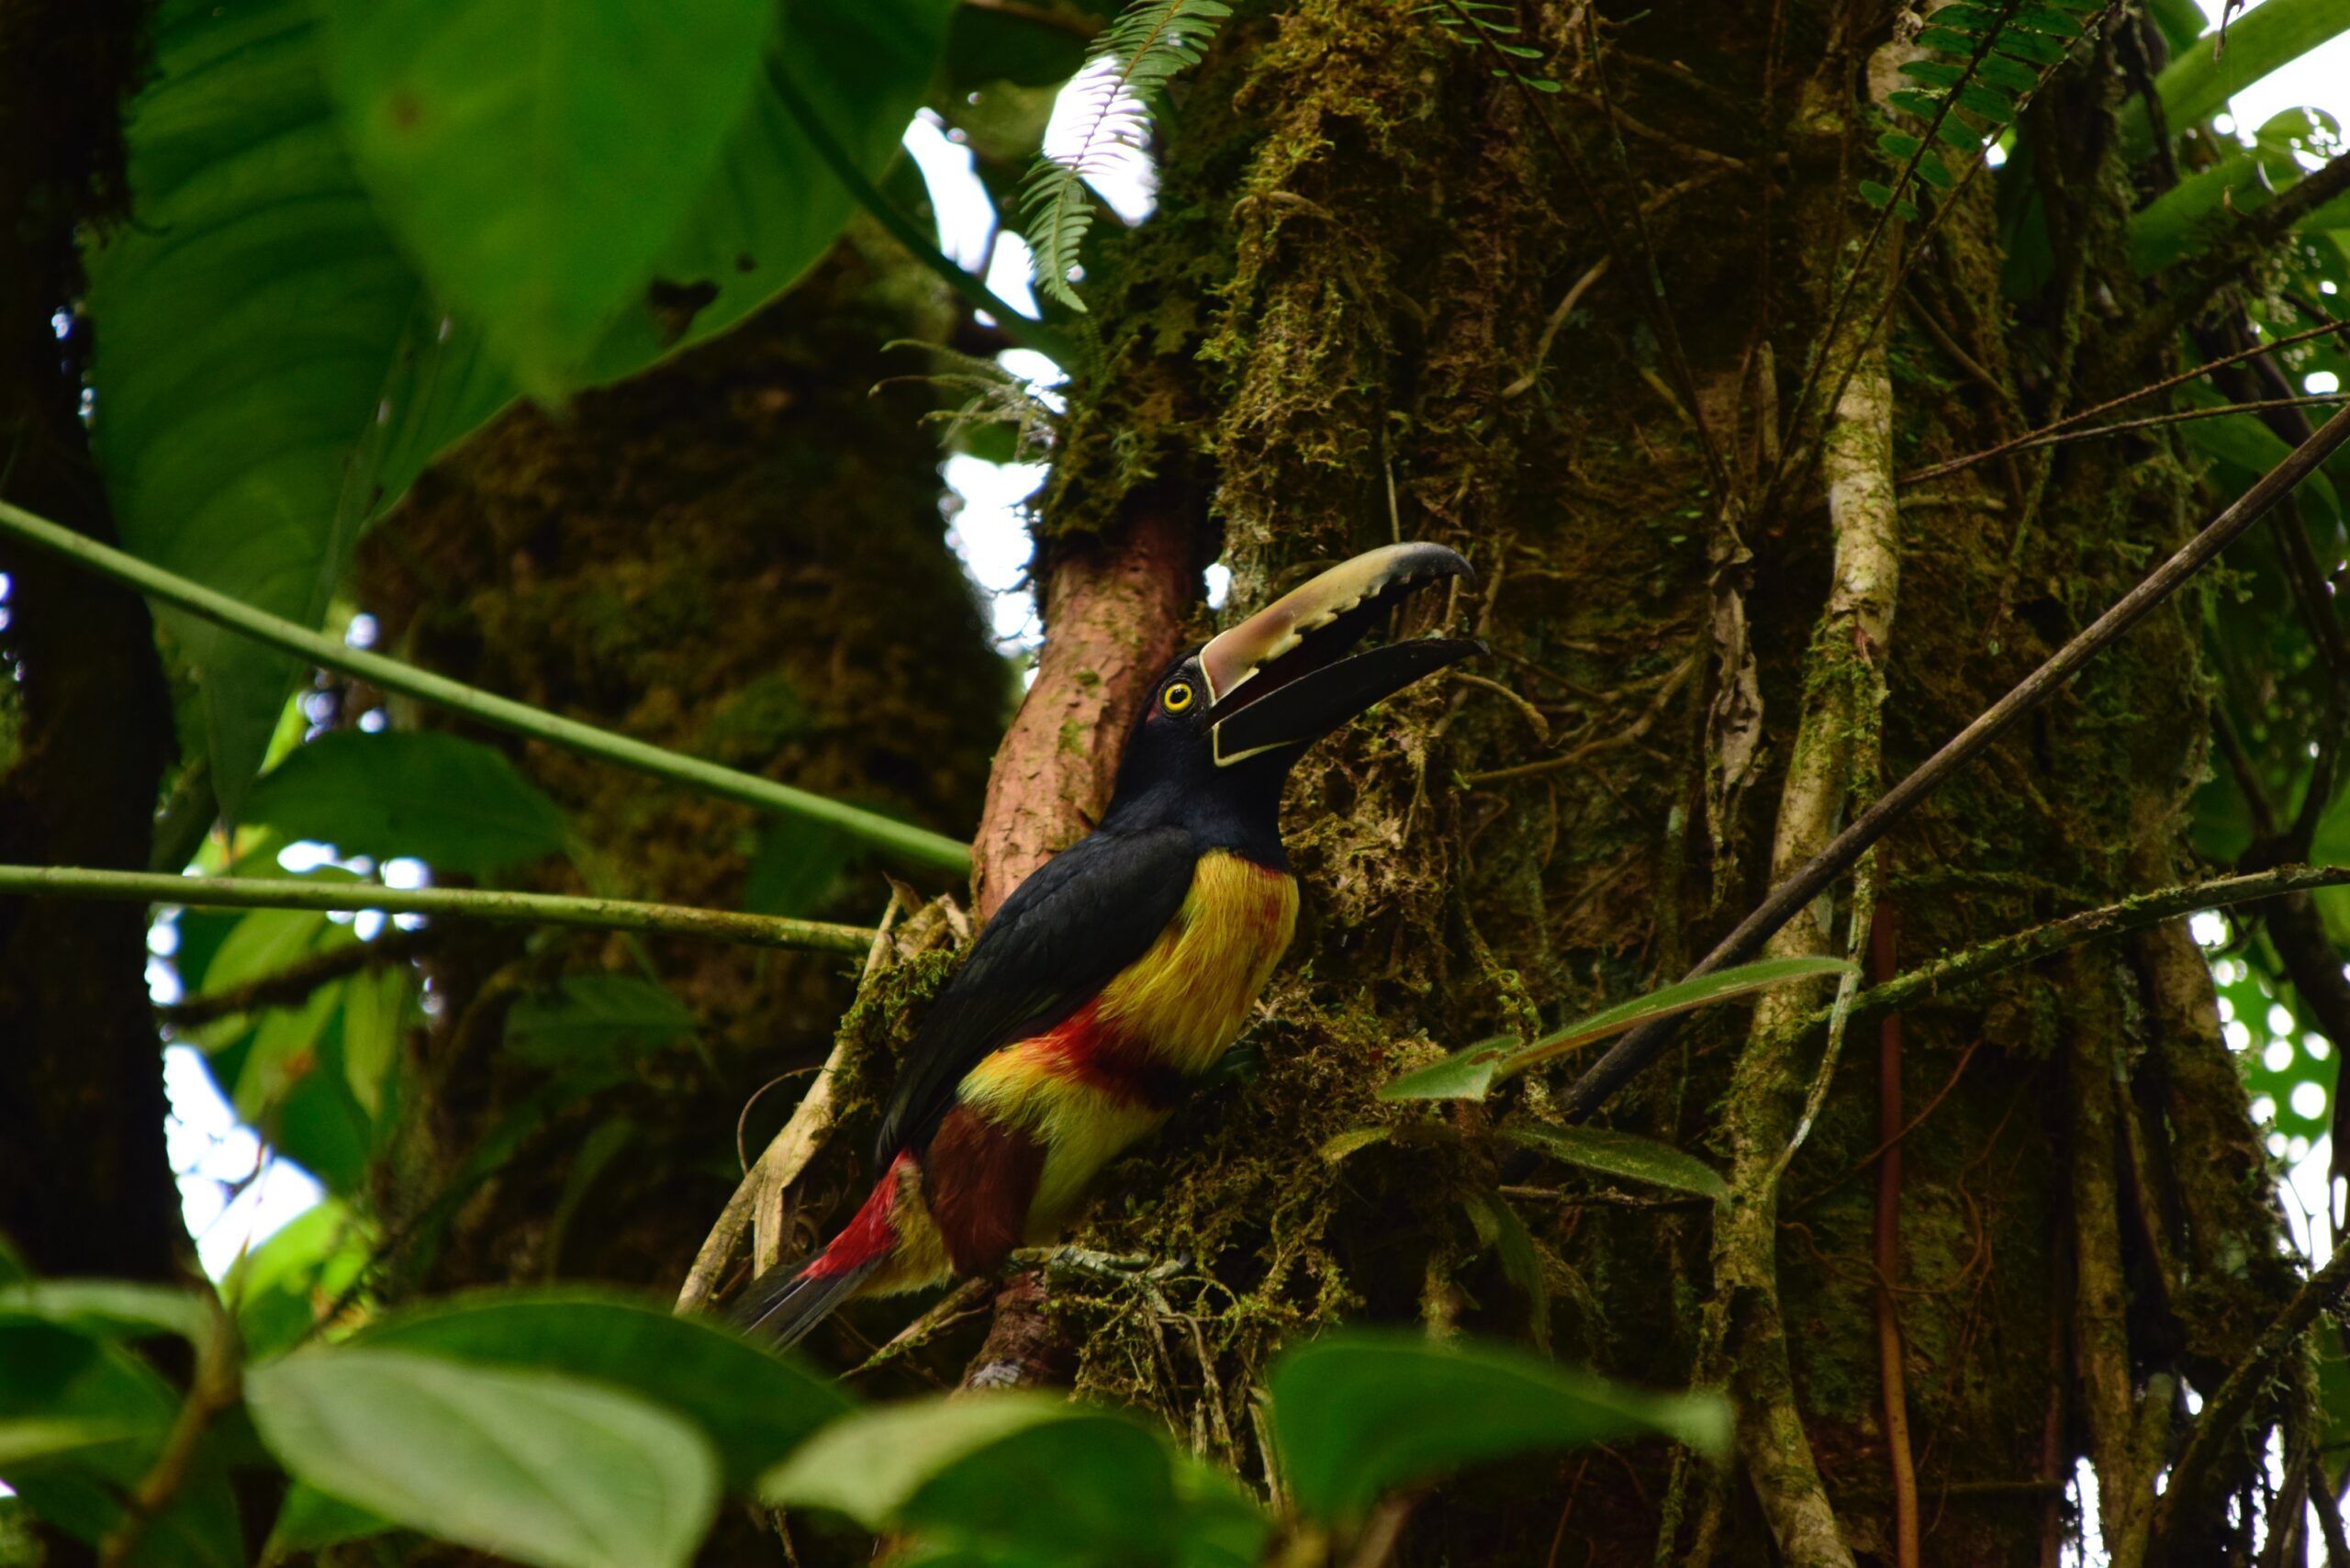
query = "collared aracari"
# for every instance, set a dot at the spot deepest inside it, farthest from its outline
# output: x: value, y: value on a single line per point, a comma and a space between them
x: 1113, y: 978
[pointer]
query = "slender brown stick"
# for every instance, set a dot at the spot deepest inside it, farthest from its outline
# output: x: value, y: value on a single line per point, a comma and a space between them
x: 297, y: 981
x: 214, y: 1388
x: 1636, y: 1049
x: 1888, y: 1258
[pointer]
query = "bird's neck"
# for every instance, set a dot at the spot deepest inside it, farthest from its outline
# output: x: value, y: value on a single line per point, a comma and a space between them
x: 1237, y: 812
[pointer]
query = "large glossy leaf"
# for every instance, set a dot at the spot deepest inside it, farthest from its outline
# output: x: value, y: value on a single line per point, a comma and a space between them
x: 534, y: 156
x: 1469, y: 1073
x: 756, y: 1405
x: 2195, y: 86
x: 1357, y: 1414
x: 451, y: 803
x: 531, y: 1465
x: 252, y: 322
x: 118, y: 1308
x: 271, y: 373
x: 1022, y: 1478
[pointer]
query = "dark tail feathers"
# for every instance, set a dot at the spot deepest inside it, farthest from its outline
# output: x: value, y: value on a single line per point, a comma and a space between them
x: 785, y: 1303
x: 788, y: 1301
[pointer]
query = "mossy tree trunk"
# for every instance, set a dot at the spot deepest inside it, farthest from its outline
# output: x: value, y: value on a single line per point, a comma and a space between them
x: 1340, y: 330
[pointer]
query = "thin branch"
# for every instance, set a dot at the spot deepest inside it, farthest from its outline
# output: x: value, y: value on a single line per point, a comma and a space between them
x: 2039, y: 942
x: 2328, y: 1505
x: 968, y: 1300
x: 917, y: 845
x: 297, y: 981
x: 1636, y: 1049
x: 2055, y: 437
x: 2332, y: 329
x: 1025, y: 331
x: 464, y: 903
x: 2226, y: 1410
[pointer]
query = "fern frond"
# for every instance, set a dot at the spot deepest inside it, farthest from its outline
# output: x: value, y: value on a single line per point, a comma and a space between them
x: 1126, y: 73
x: 993, y: 395
x: 1995, y: 54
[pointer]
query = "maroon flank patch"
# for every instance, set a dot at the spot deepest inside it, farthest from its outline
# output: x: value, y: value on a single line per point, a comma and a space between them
x: 1083, y: 1050
x: 980, y: 1177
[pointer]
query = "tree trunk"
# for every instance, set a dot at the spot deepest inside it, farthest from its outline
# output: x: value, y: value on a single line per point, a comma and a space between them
x: 85, y: 726
x: 1344, y: 325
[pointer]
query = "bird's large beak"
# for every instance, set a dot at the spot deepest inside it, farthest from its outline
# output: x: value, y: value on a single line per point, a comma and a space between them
x: 1282, y: 678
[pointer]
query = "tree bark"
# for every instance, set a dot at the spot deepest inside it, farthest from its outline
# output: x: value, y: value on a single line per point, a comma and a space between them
x: 1338, y: 330
x: 85, y: 728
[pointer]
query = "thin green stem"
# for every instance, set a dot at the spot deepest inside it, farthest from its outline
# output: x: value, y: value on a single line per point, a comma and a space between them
x: 1025, y: 331
x: 538, y: 909
x: 919, y: 845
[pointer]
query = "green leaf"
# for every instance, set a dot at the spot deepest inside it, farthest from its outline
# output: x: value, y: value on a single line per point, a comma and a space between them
x: 531, y: 1465
x: 301, y: 1269
x: 271, y: 373
x: 1967, y: 19
x: 1911, y: 100
x: 30, y: 1439
x: 1897, y: 146
x: 2193, y: 86
x: 1621, y: 1154
x: 2033, y: 47
x: 2187, y: 218
x: 756, y: 1405
x: 55, y: 1384
x: 1360, y: 1414
x: 456, y: 804
x: 1931, y: 173
x: 1340, y: 1145
x: 111, y: 1308
x: 1023, y: 1478
x: 595, y: 1026
x: 534, y: 159
x: 2001, y: 72
x: 1933, y: 73
x: 871, y: 1466
x: 797, y: 863
x: 1499, y: 1227
x: 310, y: 1520
x: 1467, y: 1074
x: 1877, y: 192
x: 1989, y: 102
x: 2045, y: 19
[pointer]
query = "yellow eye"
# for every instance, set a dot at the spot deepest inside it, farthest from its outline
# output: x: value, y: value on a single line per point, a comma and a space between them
x: 1176, y: 697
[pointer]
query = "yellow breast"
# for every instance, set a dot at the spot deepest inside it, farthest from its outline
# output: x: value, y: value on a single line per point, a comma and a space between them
x: 1188, y: 996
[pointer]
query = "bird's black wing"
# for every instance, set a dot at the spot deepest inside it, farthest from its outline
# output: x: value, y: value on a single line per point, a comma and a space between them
x: 1061, y: 936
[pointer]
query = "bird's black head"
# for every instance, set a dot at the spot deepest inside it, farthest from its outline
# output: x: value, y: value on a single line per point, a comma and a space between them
x: 1224, y: 723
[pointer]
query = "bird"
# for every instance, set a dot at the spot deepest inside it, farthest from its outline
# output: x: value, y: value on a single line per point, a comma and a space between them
x: 1112, y: 980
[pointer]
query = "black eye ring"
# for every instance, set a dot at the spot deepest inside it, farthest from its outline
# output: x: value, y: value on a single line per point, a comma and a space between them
x: 1176, y: 697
